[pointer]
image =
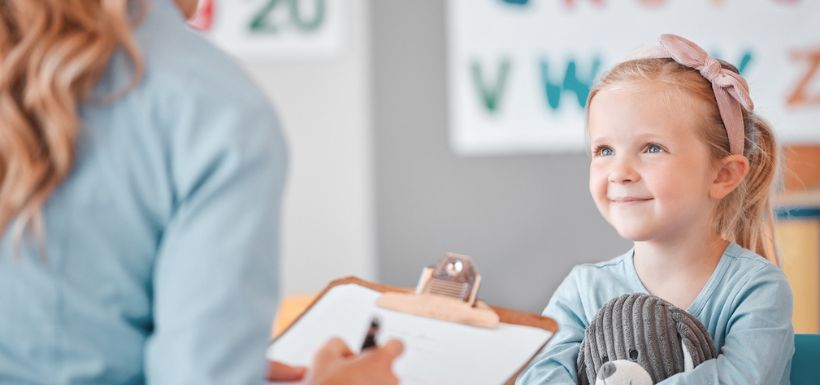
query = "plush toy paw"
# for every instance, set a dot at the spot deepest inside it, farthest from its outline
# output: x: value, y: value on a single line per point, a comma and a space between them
x: 622, y: 372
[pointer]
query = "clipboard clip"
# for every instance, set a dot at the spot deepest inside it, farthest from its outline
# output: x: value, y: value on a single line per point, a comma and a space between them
x: 446, y: 291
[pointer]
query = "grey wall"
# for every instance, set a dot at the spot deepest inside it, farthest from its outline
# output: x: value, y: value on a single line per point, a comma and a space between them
x: 526, y: 220
x: 328, y: 222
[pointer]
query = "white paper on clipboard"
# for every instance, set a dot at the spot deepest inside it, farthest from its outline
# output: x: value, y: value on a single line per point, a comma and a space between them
x: 435, y: 352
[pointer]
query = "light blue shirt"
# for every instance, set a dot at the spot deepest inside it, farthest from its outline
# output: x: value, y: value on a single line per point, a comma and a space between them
x: 746, y: 306
x: 161, y: 245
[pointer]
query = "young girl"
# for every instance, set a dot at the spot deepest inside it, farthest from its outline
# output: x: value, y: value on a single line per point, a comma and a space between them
x: 682, y: 167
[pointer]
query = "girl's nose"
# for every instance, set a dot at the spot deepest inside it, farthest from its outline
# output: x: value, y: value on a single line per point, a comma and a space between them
x: 623, y: 172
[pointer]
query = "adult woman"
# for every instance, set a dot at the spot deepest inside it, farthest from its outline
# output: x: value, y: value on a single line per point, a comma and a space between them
x: 141, y: 176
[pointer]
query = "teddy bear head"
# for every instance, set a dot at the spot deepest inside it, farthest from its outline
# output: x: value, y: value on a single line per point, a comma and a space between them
x: 641, y: 339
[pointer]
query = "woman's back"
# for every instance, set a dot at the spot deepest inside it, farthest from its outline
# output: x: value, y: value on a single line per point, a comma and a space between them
x: 160, y: 246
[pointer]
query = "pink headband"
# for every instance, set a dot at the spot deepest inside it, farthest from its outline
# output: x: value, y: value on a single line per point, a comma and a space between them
x: 731, y: 91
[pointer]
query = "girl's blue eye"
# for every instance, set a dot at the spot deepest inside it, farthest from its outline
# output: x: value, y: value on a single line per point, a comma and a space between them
x: 603, y: 151
x: 654, y: 149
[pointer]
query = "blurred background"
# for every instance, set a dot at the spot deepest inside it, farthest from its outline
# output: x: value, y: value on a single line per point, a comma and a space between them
x: 421, y: 127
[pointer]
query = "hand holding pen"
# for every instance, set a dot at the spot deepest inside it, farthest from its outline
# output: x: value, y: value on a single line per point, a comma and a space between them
x: 336, y: 364
x: 370, y: 338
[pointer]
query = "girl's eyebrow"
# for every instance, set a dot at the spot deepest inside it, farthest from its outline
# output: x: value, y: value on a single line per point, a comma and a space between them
x: 600, y: 139
x: 640, y: 138
x: 651, y: 137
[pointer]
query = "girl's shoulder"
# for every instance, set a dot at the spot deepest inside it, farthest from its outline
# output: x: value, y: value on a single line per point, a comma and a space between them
x: 615, y: 274
x: 744, y: 277
x: 742, y: 264
x: 618, y: 264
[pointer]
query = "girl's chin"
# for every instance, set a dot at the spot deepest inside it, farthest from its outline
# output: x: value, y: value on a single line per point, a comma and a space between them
x: 634, y: 235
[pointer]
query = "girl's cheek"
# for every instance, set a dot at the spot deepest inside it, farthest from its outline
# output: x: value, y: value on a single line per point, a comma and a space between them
x: 596, y: 173
x: 597, y: 184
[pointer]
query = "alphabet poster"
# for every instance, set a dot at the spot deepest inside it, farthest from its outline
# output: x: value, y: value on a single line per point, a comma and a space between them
x: 520, y: 70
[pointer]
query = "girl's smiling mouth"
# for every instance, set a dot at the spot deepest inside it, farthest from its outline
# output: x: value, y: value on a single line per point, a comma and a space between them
x: 630, y: 200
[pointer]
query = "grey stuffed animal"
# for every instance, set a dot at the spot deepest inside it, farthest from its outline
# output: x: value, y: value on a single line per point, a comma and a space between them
x: 640, y: 339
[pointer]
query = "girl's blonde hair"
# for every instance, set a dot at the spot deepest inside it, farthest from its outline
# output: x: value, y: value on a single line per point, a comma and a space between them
x: 744, y: 216
x: 51, y: 54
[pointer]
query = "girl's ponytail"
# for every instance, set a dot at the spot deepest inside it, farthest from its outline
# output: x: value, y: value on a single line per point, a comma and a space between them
x: 751, y: 224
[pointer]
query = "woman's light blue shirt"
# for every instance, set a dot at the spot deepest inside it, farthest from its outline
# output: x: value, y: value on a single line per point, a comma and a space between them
x: 161, y: 246
x: 746, y: 306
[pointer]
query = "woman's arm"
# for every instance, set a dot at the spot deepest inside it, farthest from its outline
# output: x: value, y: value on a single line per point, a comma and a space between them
x: 216, y: 275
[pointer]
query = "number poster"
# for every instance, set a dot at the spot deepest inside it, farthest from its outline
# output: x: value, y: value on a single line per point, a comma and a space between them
x: 257, y: 30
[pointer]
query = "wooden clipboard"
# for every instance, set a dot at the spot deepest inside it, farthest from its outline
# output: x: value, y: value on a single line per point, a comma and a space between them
x: 506, y: 316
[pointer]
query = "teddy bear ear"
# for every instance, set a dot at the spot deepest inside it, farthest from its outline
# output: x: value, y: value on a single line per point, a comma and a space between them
x: 696, y: 342
x: 687, y: 357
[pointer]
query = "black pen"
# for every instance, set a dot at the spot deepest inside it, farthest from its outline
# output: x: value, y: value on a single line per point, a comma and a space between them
x: 370, y: 338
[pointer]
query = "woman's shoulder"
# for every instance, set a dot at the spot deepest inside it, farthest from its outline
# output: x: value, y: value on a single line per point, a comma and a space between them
x: 193, y: 91
x: 182, y: 62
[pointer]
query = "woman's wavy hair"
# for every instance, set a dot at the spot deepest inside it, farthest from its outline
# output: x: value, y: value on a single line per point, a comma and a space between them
x: 52, y: 53
x: 745, y: 216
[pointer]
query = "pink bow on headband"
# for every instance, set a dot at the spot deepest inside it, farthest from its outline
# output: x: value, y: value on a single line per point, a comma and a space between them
x: 731, y: 91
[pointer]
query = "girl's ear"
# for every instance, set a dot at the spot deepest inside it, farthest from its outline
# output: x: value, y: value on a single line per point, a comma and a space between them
x: 730, y: 171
